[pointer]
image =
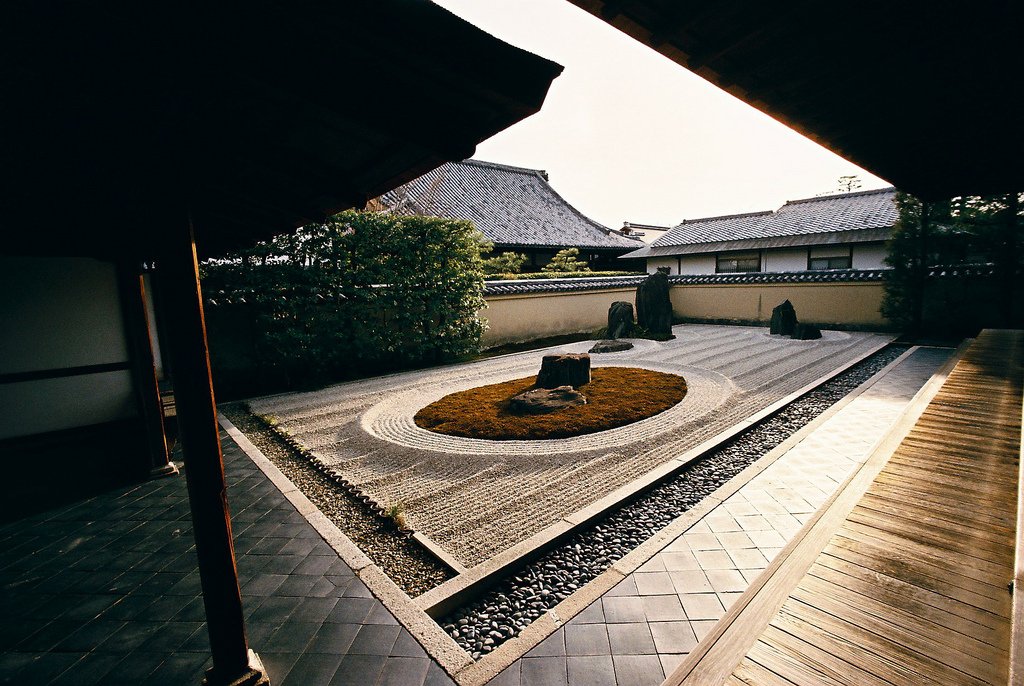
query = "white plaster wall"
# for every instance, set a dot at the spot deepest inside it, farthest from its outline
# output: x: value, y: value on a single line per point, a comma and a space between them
x: 653, y: 263
x: 869, y: 256
x: 698, y: 264
x: 785, y: 260
x: 59, y: 313
x: 34, y: 407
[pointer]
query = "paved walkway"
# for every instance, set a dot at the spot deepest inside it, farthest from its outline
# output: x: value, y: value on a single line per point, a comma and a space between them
x: 642, y: 629
x: 903, y: 578
x: 106, y: 592
x: 476, y: 498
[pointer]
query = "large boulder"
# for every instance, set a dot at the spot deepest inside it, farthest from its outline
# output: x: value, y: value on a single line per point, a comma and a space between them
x: 783, y: 319
x: 620, y: 319
x: 653, y: 306
x: 806, y: 332
x: 545, y: 400
x: 610, y: 346
x: 568, y: 369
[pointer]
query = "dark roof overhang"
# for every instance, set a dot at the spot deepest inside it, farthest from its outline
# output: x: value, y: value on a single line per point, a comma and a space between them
x: 921, y: 94
x: 121, y: 118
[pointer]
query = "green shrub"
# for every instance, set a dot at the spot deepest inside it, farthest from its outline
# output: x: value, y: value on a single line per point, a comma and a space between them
x: 361, y: 293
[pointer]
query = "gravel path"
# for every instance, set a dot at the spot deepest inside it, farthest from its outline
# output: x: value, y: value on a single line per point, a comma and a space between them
x: 476, y: 498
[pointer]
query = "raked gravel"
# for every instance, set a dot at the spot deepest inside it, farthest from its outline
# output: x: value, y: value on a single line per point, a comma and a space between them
x: 477, y: 498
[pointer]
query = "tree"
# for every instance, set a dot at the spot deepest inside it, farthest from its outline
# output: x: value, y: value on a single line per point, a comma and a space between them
x: 849, y: 183
x: 505, y: 263
x: 565, y: 261
x: 965, y: 230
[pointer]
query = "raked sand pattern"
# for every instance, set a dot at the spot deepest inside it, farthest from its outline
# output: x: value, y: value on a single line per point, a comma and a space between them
x: 477, y: 497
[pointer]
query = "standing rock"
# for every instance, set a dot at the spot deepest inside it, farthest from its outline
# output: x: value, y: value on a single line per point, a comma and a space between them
x: 783, y: 319
x: 653, y: 306
x: 806, y: 332
x: 564, y: 370
x: 545, y: 400
x: 620, y: 319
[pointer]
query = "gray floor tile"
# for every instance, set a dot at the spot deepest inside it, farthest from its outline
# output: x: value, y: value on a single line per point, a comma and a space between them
x: 374, y: 639
x: 333, y: 638
x: 511, y: 676
x: 638, y: 670
x: 407, y: 646
x: 673, y: 637
x: 552, y: 646
x: 550, y: 671
x: 313, y: 668
x: 631, y: 639
x: 404, y: 671
x: 586, y: 639
x: 591, y: 670
x: 618, y: 610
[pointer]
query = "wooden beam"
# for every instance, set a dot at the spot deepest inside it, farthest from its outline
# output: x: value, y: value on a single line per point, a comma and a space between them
x: 143, y: 366
x: 233, y: 662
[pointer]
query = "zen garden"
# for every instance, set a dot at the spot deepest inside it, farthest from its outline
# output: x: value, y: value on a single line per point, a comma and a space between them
x: 300, y: 388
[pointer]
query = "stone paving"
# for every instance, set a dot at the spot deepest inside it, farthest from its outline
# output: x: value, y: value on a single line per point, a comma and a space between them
x: 476, y: 498
x: 106, y: 591
x: 638, y: 632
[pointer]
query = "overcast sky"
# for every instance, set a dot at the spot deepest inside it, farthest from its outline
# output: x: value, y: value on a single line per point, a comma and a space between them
x: 628, y: 135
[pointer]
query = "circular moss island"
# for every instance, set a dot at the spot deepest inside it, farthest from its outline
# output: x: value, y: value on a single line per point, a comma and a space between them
x: 616, y: 396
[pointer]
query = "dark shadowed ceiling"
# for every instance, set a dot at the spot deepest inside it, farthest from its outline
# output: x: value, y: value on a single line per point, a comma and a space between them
x: 118, y: 119
x: 924, y: 94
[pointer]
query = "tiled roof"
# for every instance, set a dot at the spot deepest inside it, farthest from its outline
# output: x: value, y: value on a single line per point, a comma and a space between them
x: 845, y: 218
x: 517, y: 286
x: 523, y: 286
x: 510, y: 205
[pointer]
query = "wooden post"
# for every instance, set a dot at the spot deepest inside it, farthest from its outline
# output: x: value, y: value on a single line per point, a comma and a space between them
x: 233, y: 662
x: 147, y: 390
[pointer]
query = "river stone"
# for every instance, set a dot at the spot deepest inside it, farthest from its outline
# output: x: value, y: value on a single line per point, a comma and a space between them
x: 806, y: 332
x: 620, y: 319
x: 783, y: 319
x: 545, y: 400
x: 567, y: 369
x: 653, y: 306
x: 611, y: 346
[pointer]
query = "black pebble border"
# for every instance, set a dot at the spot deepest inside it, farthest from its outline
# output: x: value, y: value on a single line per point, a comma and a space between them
x: 520, y: 598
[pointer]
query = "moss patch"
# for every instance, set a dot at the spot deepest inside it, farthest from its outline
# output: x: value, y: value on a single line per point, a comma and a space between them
x: 616, y: 396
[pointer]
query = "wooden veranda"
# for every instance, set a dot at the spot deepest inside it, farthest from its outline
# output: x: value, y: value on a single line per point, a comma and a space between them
x: 905, y: 577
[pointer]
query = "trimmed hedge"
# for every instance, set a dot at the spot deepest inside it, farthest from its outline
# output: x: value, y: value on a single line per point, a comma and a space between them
x: 361, y: 294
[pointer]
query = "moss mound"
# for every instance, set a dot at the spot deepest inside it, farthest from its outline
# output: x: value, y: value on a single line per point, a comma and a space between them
x: 616, y: 396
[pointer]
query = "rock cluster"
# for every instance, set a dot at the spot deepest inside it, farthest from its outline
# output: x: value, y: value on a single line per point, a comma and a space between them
x: 785, y: 323
x: 522, y: 597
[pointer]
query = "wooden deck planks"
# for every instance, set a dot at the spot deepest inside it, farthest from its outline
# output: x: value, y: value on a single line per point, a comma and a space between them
x: 911, y: 585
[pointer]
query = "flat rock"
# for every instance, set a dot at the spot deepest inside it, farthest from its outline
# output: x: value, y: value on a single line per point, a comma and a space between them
x: 546, y: 400
x: 611, y: 346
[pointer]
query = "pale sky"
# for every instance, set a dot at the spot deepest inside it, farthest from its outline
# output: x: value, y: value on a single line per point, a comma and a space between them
x: 628, y: 135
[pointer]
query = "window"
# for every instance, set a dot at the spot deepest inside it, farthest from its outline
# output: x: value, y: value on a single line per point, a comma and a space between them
x: 830, y: 263
x: 738, y: 262
x: 830, y: 258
